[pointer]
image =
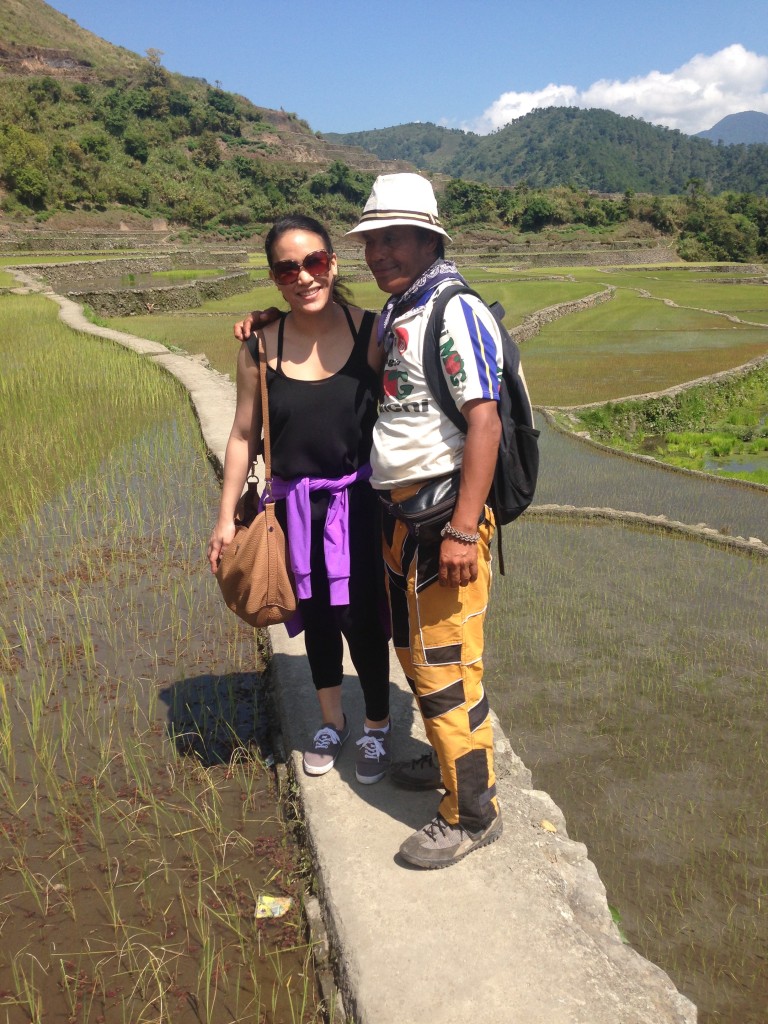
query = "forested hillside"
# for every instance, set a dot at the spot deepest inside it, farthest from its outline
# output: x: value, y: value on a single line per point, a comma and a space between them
x: 182, y: 150
x: 593, y: 149
x: 85, y: 125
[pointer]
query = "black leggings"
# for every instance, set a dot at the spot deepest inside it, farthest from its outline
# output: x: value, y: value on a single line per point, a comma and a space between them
x: 362, y: 622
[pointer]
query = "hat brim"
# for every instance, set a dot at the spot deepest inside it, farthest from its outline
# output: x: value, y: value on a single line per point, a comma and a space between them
x: 377, y: 224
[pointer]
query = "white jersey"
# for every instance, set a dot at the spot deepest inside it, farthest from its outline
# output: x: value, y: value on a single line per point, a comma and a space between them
x: 413, y: 440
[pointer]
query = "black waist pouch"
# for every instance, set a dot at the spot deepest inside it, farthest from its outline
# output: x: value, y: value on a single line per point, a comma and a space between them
x: 431, y: 505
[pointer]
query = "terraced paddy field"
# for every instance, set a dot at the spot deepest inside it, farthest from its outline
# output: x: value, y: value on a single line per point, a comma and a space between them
x: 139, y: 821
x: 628, y: 669
x: 628, y: 665
x: 575, y: 473
x: 644, y: 339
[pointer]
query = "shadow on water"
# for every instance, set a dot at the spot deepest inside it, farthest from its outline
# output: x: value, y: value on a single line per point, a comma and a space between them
x: 212, y: 716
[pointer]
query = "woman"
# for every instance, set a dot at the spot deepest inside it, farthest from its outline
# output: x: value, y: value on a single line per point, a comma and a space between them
x: 323, y: 365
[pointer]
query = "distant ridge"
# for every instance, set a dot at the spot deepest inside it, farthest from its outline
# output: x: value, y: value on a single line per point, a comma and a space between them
x: 595, y: 149
x: 748, y: 127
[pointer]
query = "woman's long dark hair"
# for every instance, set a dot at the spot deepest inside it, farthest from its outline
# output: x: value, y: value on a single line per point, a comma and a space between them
x: 301, y: 222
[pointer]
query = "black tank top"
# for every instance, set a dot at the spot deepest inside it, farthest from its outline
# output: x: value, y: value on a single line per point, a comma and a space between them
x: 323, y: 428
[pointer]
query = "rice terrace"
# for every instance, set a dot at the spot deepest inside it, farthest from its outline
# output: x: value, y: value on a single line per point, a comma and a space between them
x: 141, y: 818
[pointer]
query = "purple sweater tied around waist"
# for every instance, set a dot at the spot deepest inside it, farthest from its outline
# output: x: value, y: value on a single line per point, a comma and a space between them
x: 335, y: 534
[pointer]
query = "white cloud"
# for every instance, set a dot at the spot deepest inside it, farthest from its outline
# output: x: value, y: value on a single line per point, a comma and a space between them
x: 692, y: 97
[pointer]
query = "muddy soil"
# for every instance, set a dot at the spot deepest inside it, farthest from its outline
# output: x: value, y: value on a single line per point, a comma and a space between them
x: 140, y: 821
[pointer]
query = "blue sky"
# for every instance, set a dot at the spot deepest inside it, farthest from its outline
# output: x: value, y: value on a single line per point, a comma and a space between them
x: 352, y: 65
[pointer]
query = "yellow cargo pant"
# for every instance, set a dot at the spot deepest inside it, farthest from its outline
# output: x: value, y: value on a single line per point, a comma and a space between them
x: 437, y: 633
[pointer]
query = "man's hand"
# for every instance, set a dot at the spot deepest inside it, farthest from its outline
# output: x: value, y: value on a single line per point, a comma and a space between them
x: 258, y: 318
x: 458, y: 563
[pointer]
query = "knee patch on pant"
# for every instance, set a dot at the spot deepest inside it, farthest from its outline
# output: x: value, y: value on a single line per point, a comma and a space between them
x: 440, y: 702
x: 473, y: 792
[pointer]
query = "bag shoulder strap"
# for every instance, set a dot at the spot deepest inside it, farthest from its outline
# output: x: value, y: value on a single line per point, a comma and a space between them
x: 435, y: 377
x: 255, y: 345
x: 265, y: 410
x: 433, y: 371
x: 252, y: 343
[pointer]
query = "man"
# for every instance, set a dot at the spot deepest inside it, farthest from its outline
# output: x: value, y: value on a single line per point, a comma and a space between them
x: 438, y: 577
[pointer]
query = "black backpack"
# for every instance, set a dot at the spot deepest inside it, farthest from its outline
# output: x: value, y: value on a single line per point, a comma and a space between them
x: 517, y: 464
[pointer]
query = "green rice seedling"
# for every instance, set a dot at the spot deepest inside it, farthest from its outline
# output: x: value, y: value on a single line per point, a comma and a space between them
x: 31, y: 882
x: 70, y: 979
x: 149, y: 971
x: 7, y: 747
x: 210, y: 969
x: 27, y: 994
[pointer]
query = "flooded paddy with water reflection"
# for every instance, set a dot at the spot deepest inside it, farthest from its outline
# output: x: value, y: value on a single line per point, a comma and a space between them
x: 628, y: 668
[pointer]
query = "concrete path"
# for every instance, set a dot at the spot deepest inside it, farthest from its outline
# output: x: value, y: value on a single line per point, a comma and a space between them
x: 518, y: 932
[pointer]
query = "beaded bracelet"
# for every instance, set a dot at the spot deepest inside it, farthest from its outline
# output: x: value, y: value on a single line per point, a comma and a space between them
x: 465, y: 538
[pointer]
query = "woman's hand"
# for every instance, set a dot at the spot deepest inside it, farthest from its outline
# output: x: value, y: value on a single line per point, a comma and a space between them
x: 258, y: 318
x: 222, y: 536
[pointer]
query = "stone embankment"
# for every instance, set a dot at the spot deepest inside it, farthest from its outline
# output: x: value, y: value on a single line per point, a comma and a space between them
x: 69, y: 278
x: 70, y: 242
x: 606, y: 257
x: 532, y: 324
x: 746, y: 545
x: 189, y: 295
x: 522, y: 257
x: 64, y: 277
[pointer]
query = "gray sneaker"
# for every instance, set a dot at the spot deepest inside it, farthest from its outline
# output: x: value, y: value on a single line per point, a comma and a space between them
x: 373, y: 756
x: 418, y: 773
x: 439, y: 844
x: 326, y: 747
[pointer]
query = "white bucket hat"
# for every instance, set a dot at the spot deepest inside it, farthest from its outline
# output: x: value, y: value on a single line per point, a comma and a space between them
x: 400, y: 199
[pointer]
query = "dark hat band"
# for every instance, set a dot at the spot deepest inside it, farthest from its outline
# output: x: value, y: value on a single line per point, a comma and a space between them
x: 423, y: 218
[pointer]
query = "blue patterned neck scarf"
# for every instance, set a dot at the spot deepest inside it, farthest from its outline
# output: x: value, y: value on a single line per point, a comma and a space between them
x: 441, y: 270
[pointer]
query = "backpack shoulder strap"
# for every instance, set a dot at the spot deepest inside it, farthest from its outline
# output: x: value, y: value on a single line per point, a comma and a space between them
x: 432, y: 367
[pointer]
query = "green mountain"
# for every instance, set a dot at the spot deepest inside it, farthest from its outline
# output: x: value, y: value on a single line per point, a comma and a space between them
x: 749, y: 126
x: 593, y: 149
x: 94, y: 135
x: 36, y: 39
x: 87, y: 126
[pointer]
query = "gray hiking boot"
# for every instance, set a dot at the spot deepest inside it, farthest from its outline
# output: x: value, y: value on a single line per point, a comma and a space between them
x: 326, y: 747
x: 418, y: 773
x: 439, y: 844
x: 373, y: 756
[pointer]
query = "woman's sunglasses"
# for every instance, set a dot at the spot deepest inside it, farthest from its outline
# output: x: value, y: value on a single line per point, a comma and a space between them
x: 315, y: 263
